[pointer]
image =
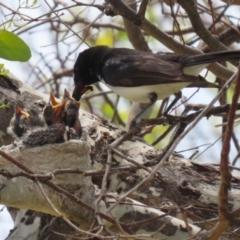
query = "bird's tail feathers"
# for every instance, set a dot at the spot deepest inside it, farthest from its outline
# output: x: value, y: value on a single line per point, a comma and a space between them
x: 210, y: 57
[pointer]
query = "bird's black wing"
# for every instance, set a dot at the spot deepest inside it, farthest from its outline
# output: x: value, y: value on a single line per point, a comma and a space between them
x: 138, y: 70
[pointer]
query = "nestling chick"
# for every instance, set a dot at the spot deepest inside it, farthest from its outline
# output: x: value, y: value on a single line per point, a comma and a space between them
x: 62, y: 119
x: 20, y: 122
x: 53, y: 111
x: 56, y: 133
x: 70, y: 114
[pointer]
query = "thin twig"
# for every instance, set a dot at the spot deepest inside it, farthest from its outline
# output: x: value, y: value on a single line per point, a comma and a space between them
x: 225, y: 185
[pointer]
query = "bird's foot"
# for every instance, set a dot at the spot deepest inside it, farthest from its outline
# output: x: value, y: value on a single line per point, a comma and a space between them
x: 153, y: 97
x: 178, y: 96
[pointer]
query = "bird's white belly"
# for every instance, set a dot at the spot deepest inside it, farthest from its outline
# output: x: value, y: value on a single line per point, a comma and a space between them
x: 141, y: 94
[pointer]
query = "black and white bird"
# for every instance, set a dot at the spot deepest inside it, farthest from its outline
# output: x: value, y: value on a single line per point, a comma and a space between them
x: 138, y: 75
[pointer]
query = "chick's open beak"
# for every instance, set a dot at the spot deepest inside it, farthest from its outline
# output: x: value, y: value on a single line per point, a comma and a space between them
x: 53, y: 100
x: 58, y: 108
x: 19, y: 111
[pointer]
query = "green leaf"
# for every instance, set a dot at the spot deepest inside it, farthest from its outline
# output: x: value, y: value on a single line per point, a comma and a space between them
x: 105, y: 37
x: 3, y: 71
x: 12, y: 47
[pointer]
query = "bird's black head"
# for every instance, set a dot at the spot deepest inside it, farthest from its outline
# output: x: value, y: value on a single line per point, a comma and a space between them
x: 87, y: 68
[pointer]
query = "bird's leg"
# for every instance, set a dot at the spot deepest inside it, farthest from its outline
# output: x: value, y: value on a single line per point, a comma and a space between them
x: 153, y: 97
x: 178, y: 96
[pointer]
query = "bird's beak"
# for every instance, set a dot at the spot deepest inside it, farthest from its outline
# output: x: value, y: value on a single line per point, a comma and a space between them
x: 58, y: 108
x: 86, y: 88
x: 19, y: 111
x: 53, y: 100
x: 79, y: 90
x: 66, y: 94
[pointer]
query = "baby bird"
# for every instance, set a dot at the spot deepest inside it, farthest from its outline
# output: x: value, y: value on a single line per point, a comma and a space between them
x: 56, y: 133
x: 20, y: 122
x: 53, y: 111
x: 70, y: 114
x: 62, y: 121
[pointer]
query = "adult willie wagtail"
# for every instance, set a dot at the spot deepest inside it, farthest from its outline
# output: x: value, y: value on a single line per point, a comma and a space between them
x: 136, y: 75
